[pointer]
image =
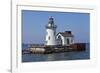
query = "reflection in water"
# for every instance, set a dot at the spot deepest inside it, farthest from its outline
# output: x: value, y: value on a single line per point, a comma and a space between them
x: 50, y: 57
x: 56, y: 56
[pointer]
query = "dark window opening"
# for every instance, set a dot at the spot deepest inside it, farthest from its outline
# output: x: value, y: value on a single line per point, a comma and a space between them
x: 59, y: 37
x: 49, y: 37
x: 67, y: 41
x: 59, y: 40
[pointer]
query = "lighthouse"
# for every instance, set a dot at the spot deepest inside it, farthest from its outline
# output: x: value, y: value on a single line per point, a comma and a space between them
x: 51, y: 33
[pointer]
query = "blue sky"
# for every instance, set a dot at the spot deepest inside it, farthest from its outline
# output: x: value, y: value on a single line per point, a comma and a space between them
x: 34, y: 31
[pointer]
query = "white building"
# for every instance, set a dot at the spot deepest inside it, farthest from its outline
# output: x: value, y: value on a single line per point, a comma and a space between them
x: 65, y: 38
x: 62, y: 38
x: 51, y: 32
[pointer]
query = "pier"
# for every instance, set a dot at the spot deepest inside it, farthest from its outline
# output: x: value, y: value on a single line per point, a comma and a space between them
x: 54, y: 49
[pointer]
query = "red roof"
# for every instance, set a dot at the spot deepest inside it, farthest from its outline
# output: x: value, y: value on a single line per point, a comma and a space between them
x: 66, y: 34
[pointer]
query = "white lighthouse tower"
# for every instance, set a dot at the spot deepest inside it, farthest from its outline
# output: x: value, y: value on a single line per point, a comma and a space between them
x: 51, y: 33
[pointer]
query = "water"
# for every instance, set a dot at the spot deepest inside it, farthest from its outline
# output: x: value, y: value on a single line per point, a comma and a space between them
x: 56, y: 56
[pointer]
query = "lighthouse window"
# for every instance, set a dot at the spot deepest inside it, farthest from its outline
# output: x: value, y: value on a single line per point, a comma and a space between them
x: 49, y: 37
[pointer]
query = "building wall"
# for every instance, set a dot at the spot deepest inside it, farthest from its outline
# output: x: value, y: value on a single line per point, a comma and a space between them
x: 64, y: 40
x: 68, y: 40
x: 58, y: 41
x: 50, y: 37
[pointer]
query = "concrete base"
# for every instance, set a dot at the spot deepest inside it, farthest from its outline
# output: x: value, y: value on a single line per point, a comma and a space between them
x: 55, y: 49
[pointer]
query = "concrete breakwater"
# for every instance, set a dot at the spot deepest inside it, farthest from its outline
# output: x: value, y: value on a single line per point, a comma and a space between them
x: 37, y: 50
x: 54, y: 49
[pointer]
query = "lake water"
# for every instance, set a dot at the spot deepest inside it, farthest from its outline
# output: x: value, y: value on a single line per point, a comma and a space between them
x: 56, y: 56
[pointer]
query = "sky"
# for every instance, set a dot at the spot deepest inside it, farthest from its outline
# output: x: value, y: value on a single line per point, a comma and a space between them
x: 34, y: 22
